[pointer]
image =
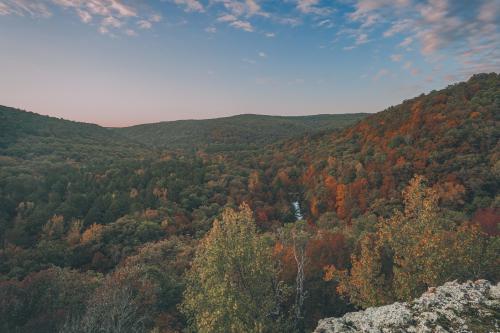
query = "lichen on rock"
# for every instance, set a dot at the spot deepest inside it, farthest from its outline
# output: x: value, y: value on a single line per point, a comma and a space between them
x: 453, y: 307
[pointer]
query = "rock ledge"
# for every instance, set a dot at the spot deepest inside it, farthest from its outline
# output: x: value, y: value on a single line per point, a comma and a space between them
x: 454, y: 307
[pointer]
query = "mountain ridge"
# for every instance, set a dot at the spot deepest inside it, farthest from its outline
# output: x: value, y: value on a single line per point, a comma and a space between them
x: 232, y: 132
x: 180, y: 134
x: 241, y: 115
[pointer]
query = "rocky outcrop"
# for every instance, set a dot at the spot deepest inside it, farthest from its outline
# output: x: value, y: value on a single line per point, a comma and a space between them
x: 454, y: 307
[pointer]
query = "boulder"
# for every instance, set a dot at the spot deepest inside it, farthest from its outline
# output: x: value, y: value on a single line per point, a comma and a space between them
x: 453, y: 307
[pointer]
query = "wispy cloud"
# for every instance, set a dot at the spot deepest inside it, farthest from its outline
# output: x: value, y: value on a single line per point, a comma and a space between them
x: 289, y: 21
x: 227, y: 18
x: 243, y: 25
x: 190, y: 5
x: 130, y: 32
x: 84, y: 15
x: 106, y: 15
x: 468, y: 31
x: 362, y: 39
x: 380, y: 74
x: 398, y: 27
x: 406, y: 42
x: 100, y: 7
x: 211, y: 30
x: 237, y: 14
x: 464, y: 32
x: 24, y: 8
x: 313, y: 7
x: 411, y: 68
x: 326, y: 23
x: 144, y: 24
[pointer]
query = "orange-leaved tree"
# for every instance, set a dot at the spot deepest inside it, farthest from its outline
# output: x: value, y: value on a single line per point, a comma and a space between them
x: 417, y: 248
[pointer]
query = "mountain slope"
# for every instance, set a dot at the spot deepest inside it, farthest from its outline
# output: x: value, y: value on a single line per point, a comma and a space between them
x: 229, y: 133
x: 29, y: 135
x: 450, y: 136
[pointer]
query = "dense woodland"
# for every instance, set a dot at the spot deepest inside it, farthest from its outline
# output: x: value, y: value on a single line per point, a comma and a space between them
x: 242, y: 132
x: 248, y: 224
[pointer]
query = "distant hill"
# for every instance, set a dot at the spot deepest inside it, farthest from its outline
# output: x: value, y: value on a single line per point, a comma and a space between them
x: 29, y: 135
x: 242, y: 131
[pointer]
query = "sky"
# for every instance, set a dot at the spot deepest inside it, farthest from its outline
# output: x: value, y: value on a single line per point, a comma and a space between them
x: 126, y: 62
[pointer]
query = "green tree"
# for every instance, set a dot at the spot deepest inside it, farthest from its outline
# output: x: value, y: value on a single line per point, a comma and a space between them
x: 231, y: 284
x: 420, y: 247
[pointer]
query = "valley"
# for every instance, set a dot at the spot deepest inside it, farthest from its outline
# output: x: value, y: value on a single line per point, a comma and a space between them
x: 342, y: 212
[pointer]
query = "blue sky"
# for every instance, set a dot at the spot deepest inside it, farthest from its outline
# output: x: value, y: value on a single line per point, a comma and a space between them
x: 123, y: 62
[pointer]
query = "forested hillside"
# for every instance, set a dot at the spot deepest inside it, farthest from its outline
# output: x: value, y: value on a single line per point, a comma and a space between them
x: 450, y: 136
x: 246, y: 131
x: 28, y: 135
x: 100, y: 227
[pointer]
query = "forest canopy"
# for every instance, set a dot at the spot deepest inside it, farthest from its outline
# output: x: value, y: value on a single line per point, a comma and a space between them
x: 123, y: 230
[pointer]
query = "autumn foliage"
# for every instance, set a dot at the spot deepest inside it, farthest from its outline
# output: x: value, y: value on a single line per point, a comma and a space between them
x: 98, y: 230
x: 414, y: 249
